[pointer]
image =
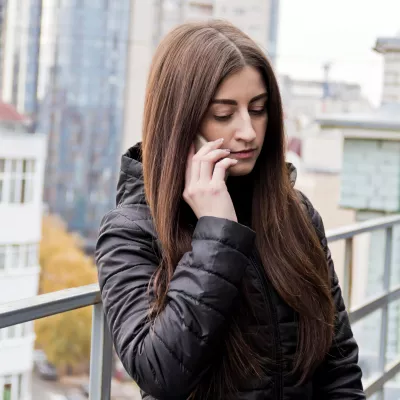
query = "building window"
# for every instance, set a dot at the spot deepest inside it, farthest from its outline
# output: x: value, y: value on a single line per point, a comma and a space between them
x: 2, y: 258
x: 17, y: 180
x: 18, y: 256
x: 2, y: 169
x: 16, y: 331
x: 7, y: 388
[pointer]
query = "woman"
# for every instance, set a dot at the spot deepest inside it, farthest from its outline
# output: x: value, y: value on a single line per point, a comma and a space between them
x: 220, y: 288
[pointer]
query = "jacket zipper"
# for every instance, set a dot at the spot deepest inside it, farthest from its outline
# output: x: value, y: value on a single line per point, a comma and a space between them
x: 268, y: 300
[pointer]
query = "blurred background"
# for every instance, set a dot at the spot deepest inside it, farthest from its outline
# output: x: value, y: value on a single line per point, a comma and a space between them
x: 72, y: 82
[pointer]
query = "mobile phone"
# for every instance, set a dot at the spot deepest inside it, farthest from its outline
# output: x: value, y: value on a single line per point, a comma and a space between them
x: 199, y: 142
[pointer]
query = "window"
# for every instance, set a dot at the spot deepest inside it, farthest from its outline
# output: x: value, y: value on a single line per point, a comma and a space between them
x: 16, y: 257
x: 2, y: 168
x: 2, y: 257
x: 32, y: 252
x: 16, y: 331
x: 17, y: 180
x: 28, y: 175
x: 7, y: 388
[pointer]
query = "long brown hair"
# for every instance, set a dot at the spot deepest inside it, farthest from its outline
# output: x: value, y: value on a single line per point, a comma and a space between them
x: 187, y: 69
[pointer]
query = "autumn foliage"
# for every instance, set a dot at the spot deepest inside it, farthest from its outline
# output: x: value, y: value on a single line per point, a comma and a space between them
x: 65, y: 337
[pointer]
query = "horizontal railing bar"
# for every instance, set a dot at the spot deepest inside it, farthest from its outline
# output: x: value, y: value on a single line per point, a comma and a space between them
x: 376, y: 384
x: 374, y: 304
x: 44, y: 305
x: 361, y: 227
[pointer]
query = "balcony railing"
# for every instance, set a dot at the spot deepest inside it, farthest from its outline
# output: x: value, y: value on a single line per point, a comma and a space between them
x: 101, y: 352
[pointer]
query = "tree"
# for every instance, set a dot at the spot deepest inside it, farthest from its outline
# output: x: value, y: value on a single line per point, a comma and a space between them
x: 65, y: 337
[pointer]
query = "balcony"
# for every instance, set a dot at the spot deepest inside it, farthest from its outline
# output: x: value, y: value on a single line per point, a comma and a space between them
x: 101, y: 353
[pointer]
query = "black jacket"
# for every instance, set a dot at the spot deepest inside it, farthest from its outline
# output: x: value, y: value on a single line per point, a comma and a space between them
x: 169, y: 357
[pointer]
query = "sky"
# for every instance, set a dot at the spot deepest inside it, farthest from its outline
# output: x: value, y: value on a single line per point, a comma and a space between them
x: 342, y: 32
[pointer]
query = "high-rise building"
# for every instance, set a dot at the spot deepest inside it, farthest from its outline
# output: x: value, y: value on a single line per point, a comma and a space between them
x: 19, y: 52
x: 257, y: 18
x: 65, y: 65
x: 22, y: 159
x: 81, y: 83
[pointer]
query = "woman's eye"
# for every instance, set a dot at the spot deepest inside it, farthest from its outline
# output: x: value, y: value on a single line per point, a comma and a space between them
x: 257, y: 111
x: 222, y: 117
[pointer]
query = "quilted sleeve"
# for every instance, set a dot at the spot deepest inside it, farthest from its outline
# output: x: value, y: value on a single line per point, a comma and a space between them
x: 168, y: 356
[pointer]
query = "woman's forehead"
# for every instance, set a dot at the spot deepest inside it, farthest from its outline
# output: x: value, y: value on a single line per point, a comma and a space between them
x: 241, y: 85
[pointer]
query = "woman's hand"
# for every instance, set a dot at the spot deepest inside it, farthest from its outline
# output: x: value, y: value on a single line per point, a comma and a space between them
x: 205, y: 188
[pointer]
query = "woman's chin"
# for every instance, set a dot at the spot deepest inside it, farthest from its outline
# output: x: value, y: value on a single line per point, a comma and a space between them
x: 241, y: 169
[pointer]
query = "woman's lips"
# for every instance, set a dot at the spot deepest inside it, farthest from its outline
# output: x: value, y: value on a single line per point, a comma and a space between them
x: 243, y: 155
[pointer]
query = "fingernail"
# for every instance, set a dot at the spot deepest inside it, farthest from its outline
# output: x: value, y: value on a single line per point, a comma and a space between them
x: 220, y: 140
x: 227, y: 150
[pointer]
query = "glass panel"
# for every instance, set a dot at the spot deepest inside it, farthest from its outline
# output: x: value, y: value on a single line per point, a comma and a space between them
x: 14, y: 165
x: 32, y: 166
x: 368, y: 266
x: 20, y: 386
x: 33, y: 255
x: 2, y: 164
x: 367, y: 334
x: 12, y: 332
x: 393, y: 339
x: 392, y: 388
x: 2, y: 257
x: 14, y: 256
x: 376, y: 396
x: 13, y: 190
x: 395, y: 266
x: 23, y: 190
x: 25, y: 255
x: 7, y: 388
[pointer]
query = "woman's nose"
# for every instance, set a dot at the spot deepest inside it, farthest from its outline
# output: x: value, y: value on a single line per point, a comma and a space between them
x: 245, y: 130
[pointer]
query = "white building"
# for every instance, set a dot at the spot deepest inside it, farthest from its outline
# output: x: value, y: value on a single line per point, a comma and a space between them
x: 22, y: 158
x: 152, y: 20
x: 390, y: 49
x: 370, y: 181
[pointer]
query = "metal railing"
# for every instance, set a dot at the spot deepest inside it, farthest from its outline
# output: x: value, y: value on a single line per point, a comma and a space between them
x: 101, y: 351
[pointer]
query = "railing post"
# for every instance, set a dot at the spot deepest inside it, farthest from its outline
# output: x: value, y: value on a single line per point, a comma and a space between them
x: 100, y: 357
x: 385, y: 308
x: 348, y: 272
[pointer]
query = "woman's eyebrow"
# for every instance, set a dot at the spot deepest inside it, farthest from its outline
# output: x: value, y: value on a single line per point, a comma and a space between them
x: 234, y: 102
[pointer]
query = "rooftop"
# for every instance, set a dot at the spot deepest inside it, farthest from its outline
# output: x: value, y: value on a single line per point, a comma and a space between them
x: 387, y: 44
x: 9, y: 113
x: 387, y: 117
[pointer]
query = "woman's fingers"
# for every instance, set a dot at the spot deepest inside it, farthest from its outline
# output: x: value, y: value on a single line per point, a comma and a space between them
x: 208, y: 163
x: 197, y: 159
x: 221, y: 168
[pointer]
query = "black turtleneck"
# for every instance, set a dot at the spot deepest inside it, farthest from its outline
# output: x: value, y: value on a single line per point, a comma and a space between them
x: 241, y: 190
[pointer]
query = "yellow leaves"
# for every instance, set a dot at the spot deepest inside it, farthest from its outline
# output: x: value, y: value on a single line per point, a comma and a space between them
x: 65, y: 337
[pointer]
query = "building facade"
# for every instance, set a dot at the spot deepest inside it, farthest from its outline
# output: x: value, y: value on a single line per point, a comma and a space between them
x: 370, y: 185
x: 22, y: 159
x: 258, y: 18
x: 20, y: 51
x: 390, y: 49
x: 81, y: 83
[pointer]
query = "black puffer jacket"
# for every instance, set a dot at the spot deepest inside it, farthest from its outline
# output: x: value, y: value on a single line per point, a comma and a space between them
x: 170, y: 357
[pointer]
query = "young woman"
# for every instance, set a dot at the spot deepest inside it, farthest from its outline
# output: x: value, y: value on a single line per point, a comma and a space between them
x: 215, y: 274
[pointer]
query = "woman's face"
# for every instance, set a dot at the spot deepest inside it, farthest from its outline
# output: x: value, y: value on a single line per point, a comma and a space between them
x: 238, y: 114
